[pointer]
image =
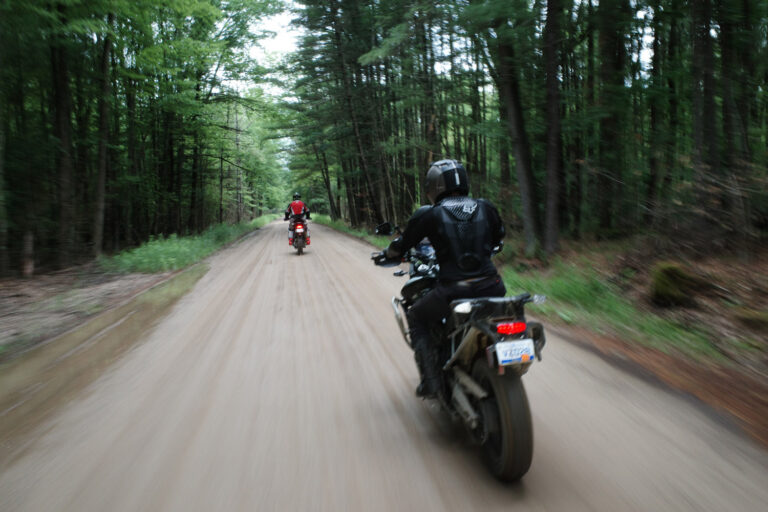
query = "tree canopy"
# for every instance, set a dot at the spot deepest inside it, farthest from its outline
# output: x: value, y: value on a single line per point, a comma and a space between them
x: 580, y: 118
x: 125, y: 120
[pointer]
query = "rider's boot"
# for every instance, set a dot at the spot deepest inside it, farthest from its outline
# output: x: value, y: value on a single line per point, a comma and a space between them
x: 426, y: 360
x: 290, y: 241
x: 308, y: 240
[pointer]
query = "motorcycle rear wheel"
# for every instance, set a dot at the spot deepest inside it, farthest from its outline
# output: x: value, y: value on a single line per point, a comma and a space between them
x: 507, y: 430
x: 301, y: 250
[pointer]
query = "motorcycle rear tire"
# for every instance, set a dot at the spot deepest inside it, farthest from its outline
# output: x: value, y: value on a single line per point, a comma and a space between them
x: 508, y: 449
x: 301, y: 250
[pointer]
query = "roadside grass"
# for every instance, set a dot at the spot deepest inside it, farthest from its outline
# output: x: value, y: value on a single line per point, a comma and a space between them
x: 377, y: 240
x: 176, y: 252
x: 581, y: 297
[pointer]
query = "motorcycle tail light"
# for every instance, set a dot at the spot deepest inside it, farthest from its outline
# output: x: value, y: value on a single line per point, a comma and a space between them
x: 511, y: 328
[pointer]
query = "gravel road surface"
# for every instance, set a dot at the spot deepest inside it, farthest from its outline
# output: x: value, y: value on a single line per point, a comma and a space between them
x: 281, y: 383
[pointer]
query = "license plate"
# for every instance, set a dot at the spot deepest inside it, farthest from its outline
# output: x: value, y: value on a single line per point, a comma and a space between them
x: 299, y: 230
x: 514, y: 352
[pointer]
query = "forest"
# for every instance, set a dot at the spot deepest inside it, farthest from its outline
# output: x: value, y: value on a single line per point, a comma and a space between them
x: 127, y: 120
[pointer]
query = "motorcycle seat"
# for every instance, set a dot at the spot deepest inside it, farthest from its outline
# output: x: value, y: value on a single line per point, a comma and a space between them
x: 495, y: 306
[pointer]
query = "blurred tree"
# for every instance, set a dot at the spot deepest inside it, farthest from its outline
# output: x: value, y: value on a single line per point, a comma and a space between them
x: 113, y: 124
x: 552, y: 39
x: 608, y: 109
x: 618, y: 116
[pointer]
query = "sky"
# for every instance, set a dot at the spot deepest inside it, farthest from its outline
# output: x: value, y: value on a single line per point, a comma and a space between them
x: 270, y: 50
x: 284, y: 40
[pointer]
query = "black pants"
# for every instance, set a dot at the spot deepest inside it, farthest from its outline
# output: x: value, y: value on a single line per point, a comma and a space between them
x: 429, y: 310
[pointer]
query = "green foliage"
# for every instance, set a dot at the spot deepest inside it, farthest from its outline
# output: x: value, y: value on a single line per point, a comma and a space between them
x: 585, y: 298
x: 175, y: 252
x: 185, y: 149
x: 378, y: 90
x: 384, y: 87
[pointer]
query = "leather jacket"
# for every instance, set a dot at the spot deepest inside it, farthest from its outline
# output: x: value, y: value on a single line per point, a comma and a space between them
x: 463, y: 232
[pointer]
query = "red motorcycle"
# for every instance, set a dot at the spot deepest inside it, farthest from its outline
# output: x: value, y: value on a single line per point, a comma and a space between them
x: 300, y: 235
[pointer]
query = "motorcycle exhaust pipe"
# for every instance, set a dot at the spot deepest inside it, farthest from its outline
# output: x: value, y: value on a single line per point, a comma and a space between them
x: 396, y: 305
x: 462, y: 405
x: 470, y: 384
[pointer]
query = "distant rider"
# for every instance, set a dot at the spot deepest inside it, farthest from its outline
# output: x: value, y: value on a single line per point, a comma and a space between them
x: 463, y: 232
x: 296, y: 211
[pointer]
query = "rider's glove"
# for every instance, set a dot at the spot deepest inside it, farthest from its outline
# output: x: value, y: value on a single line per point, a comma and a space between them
x: 379, y: 258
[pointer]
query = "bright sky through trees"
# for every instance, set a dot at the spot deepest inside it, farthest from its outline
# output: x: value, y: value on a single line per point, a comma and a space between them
x: 271, y: 50
x: 282, y: 43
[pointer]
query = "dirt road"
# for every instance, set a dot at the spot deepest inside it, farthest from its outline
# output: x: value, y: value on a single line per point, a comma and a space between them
x: 281, y: 383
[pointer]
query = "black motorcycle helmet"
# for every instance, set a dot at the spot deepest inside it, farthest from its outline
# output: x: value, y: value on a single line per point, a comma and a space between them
x: 445, y: 177
x: 296, y: 196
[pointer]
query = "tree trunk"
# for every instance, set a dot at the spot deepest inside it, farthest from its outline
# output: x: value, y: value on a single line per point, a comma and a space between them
x: 192, y: 220
x: 4, y: 259
x: 475, y: 109
x: 429, y: 119
x: 63, y: 129
x: 353, y: 112
x: 655, y: 94
x: 178, y: 171
x: 221, y: 185
x: 411, y: 172
x: 705, y: 150
x: 167, y: 169
x: 323, y: 163
x: 702, y: 115
x: 349, y: 185
x: 28, y: 255
x: 98, y: 222
x: 504, y: 167
x: 134, y: 195
x: 554, y: 160
x: 610, y: 19
x: 82, y: 180
x: 509, y: 91
x: 591, y: 134
x: 673, y: 85
x: 734, y: 128
x: 239, y: 170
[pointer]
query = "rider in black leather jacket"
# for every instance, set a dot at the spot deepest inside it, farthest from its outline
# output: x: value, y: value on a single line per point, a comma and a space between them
x: 463, y: 232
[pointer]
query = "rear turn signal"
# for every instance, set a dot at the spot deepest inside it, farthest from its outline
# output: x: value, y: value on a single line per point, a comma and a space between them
x: 511, y: 328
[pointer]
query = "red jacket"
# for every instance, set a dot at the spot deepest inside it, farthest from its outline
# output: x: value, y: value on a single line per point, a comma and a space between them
x: 297, y: 208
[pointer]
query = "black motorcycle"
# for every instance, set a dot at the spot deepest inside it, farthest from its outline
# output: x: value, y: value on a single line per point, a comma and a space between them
x: 486, y: 346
